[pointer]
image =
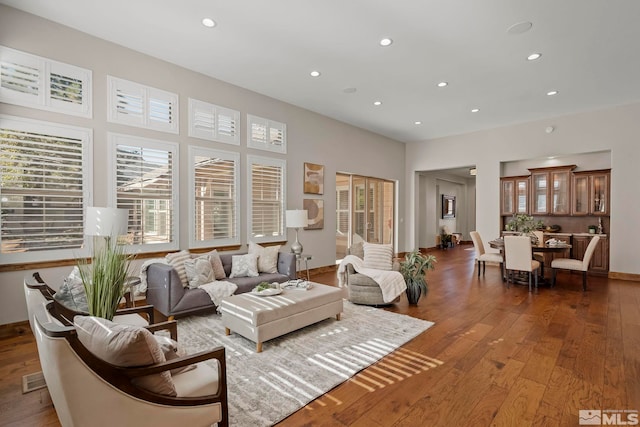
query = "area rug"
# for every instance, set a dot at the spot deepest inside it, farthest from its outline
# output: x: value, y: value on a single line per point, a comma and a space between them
x: 293, y: 370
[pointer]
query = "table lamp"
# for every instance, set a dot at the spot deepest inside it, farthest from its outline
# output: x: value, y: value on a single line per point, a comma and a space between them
x: 297, y: 219
x: 106, y: 222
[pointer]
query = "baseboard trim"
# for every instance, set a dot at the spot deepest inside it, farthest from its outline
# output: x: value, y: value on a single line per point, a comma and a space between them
x: 624, y: 276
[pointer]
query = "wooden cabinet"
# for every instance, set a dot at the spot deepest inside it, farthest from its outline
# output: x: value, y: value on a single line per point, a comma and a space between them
x: 600, y: 259
x: 590, y: 191
x: 551, y: 190
x: 514, y: 195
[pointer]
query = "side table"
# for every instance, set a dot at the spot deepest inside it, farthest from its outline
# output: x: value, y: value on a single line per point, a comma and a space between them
x: 299, y: 259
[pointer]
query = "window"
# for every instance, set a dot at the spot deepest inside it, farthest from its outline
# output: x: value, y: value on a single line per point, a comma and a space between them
x: 145, y: 181
x: 214, y: 205
x: 142, y: 106
x: 266, y: 204
x: 213, y: 123
x: 36, y: 82
x: 44, y: 188
x: 265, y: 134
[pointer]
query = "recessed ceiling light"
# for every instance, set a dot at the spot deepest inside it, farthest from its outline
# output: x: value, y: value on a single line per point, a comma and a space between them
x: 552, y: 92
x: 443, y: 84
x: 475, y: 110
x: 519, y: 27
x: 534, y: 56
x: 376, y: 103
x: 386, y: 42
x: 315, y: 73
x: 417, y: 122
x: 208, y: 22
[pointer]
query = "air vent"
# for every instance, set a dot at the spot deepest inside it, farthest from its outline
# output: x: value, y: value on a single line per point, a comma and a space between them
x: 33, y: 382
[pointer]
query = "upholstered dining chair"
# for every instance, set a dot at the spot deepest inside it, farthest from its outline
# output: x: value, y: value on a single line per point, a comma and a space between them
x: 483, y: 257
x: 575, y: 264
x: 539, y: 256
x: 518, y: 257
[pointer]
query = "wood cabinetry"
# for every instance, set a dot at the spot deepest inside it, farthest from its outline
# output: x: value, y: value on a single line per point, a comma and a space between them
x: 600, y: 259
x: 590, y: 193
x: 551, y: 190
x: 514, y: 195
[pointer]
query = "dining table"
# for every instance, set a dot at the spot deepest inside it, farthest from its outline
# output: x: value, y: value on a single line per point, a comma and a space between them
x: 545, y: 247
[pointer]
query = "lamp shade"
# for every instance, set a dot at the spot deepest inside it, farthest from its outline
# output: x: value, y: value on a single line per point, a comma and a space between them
x: 108, y: 222
x: 297, y: 218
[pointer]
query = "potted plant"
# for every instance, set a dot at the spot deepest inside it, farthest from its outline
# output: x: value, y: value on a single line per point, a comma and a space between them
x: 414, y: 269
x: 103, y: 277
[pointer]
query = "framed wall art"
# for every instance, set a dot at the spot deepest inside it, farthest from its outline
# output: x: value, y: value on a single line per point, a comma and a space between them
x: 313, y: 178
x: 448, y: 206
x: 315, y: 210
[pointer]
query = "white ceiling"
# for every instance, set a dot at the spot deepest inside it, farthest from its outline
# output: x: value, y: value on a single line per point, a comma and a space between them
x: 590, y: 54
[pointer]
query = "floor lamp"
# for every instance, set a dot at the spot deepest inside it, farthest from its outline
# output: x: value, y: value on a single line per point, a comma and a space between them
x: 297, y: 219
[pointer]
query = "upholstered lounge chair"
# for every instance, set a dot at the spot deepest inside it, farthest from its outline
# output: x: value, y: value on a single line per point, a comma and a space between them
x: 86, y: 390
x: 363, y: 289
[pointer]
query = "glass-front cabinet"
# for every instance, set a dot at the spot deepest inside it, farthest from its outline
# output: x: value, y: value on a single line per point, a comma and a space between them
x: 591, y: 193
x: 551, y: 192
x: 514, y: 195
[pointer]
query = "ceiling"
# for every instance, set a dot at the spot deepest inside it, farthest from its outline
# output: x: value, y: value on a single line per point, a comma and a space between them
x: 589, y: 50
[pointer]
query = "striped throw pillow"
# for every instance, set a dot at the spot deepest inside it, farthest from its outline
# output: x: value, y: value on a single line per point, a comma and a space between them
x: 176, y: 260
x: 378, y: 257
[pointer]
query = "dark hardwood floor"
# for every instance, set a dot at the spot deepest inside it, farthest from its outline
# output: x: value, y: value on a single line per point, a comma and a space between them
x: 495, y: 356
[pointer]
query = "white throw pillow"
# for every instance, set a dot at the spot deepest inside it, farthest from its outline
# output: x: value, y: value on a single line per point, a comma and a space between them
x: 378, y: 257
x: 176, y: 260
x: 244, y: 265
x: 267, y: 257
x: 126, y: 346
x: 199, y: 271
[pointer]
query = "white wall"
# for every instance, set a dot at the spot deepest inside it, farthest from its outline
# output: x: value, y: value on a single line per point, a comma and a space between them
x: 615, y: 129
x: 311, y: 137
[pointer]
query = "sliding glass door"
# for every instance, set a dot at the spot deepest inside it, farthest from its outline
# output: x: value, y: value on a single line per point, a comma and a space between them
x: 364, y: 211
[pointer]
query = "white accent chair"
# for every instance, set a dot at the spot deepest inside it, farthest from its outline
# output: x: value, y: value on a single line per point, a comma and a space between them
x: 518, y: 257
x: 483, y: 257
x: 576, y: 264
x: 86, y: 391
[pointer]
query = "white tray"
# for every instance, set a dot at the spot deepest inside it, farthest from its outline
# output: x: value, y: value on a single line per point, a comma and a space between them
x: 267, y: 292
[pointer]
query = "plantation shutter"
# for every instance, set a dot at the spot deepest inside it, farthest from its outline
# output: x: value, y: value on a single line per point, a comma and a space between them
x: 267, y: 199
x: 215, y: 204
x: 37, y: 82
x: 265, y: 134
x: 213, y: 123
x: 138, y: 105
x: 44, y: 189
x: 145, y: 182
x: 342, y: 212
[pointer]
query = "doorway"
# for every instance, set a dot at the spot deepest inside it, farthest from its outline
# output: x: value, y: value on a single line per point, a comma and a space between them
x: 364, y: 211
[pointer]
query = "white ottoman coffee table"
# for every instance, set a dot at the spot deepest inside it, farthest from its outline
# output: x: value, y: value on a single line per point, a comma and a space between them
x: 261, y: 318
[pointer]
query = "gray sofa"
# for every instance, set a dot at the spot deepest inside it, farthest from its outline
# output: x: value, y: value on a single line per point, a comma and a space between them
x: 167, y: 295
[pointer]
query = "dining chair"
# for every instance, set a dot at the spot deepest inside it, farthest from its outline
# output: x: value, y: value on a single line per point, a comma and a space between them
x: 483, y: 257
x: 539, y: 256
x: 575, y: 264
x: 517, y: 254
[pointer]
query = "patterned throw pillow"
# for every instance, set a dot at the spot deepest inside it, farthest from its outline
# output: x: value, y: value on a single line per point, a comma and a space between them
x: 244, y: 265
x: 199, y: 271
x: 172, y: 350
x: 216, y: 264
x: 378, y: 257
x: 71, y: 294
x: 176, y: 260
x: 126, y: 346
x: 267, y: 257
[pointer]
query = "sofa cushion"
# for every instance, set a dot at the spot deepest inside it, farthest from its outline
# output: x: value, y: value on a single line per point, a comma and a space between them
x: 378, y: 257
x: 199, y: 271
x: 357, y: 249
x: 267, y: 257
x: 125, y: 346
x: 176, y: 260
x: 216, y: 264
x: 244, y: 266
